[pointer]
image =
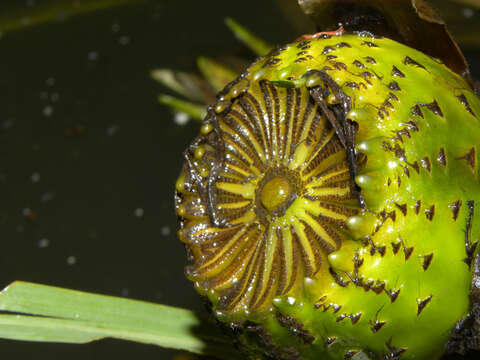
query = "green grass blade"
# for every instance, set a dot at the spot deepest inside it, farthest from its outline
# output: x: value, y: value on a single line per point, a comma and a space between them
x: 181, y: 83
x: 216, y: 74
x: 53, y: 10
x: 195, y: 111
x: 79, y: 317
x: 256, y: 44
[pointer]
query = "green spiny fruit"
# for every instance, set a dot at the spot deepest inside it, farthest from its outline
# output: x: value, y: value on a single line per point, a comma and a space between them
x: 327, y: 205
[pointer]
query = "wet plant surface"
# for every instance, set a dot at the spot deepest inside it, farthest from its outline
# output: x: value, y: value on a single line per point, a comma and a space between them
x: 88, y: 159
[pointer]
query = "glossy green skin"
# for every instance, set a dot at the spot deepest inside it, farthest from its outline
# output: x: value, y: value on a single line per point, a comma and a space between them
x: 386, y: 187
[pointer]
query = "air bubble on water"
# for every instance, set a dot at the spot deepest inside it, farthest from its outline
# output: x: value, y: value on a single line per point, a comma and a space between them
x: 47, y: 111
x: 92, y: 55
x: 112, y: 130
x: 138, y: 212
x: 54, y: 97
x: 124, y: 40
x: 181, y: 118
x: 35, y: 177
x: 43, y: 243
x: 71, y: 260
x: 50, y: 81
x: 467, y: 13
x: 7, y: 124
x: 46, y: 197
x: 165, y: 230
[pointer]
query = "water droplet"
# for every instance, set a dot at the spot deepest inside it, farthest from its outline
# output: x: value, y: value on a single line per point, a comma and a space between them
x: 50, y: 81
x: 468, y: 13
x: 71, y: 260
x: 54, y: 97
x: 124, y: 40
x: 165, y: 230
x: 35, y: 178
x: 138, y: 212
x: 47, y: 111
x: 92, y: 55
x: 43, y: 243
x: 46, y: 197
x: 7, y: 124
x: 112, y: 130
x: 181, y: 118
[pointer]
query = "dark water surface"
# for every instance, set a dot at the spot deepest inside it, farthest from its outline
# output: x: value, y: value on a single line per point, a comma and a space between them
x: 88, y: 159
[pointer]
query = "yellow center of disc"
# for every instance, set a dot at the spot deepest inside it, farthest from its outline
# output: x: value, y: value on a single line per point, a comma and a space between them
x: 274, y: 193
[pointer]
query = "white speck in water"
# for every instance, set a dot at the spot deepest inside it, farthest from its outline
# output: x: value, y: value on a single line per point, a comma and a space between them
x: 35, y: 177
x: 20, y: 228
x: 50, y: 81
x: 54, y: 97
x: 138, y: 212
x: 47, y: 111
x: 43, y: 243
x: 71, y: 260
x: 7, y: 124
x: 116, y: 27
x: 112, y: 130
x: 181, y: 118
x: 92, y: 55
x: 26, y: 212
x: 124, y: 40
x: 165, y: 230
x: 125, y: 292
x: 46, y: 197
x: 467, y: 13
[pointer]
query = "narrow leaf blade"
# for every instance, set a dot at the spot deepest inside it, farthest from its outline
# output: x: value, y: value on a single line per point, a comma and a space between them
x: 78, y: 317
x: 256, y: 44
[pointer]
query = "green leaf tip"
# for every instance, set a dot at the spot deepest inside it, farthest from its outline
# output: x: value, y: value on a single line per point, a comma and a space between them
x: 216, y: 74
x: 195, y: 111
x: 253, y: 42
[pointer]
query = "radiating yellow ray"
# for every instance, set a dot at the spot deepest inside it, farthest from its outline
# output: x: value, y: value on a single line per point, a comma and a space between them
x: 319, y: 229
x: 271, y: 247
x: 307, y: 248
x: 233, y: 205
x: 328, y: 191
x: 246, y: 190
